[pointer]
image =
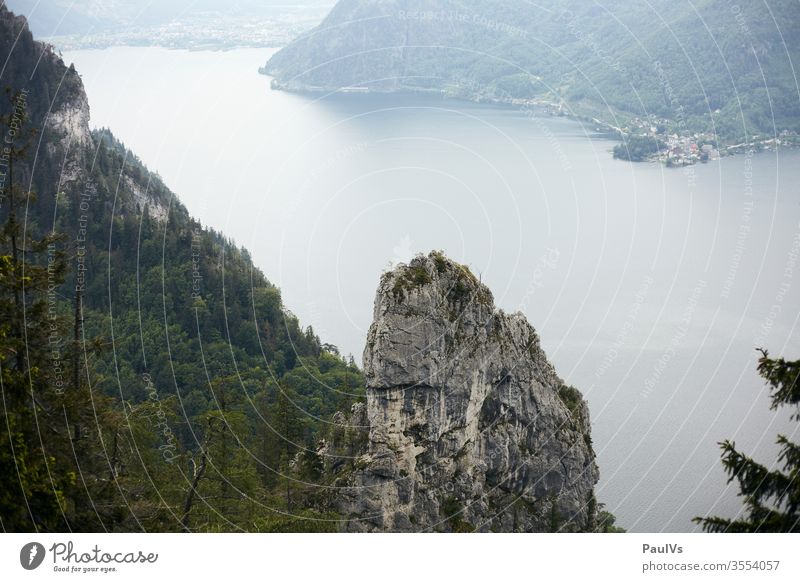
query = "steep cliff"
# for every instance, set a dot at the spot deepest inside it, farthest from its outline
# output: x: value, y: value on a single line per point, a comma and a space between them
x: 466, y: 426
x: 56, y: 107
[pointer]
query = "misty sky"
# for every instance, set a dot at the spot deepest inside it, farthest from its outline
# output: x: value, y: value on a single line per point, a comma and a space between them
x: 64, y: 17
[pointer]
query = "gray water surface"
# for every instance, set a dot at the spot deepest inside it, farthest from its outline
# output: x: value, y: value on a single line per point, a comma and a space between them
x: 650, y: 287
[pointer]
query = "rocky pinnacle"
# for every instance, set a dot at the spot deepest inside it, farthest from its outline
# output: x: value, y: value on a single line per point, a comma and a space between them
x: 466, y: 426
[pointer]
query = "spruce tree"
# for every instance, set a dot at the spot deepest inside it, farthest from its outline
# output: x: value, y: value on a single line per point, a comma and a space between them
x: 771, y: 497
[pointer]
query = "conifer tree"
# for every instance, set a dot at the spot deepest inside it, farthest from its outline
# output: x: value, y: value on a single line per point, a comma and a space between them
x: 771, y: 497
x: 33, y: 478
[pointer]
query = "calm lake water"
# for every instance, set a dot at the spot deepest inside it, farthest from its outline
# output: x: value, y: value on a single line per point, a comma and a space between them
x: 650, y: 287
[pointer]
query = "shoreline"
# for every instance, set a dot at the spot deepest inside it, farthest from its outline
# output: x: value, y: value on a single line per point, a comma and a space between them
x: 674, y: 151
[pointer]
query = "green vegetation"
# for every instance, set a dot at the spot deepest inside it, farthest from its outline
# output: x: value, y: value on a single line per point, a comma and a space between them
x: 152, y: 378
x: 636, y: 148
x: 453, y: 511
x: 412, y: 276
x: 771, y: 497
x: 691, y: 67
x: 33, y: 481
x: 203, y: 418
x: 571, y: 397
x: 459, y: 292
x: 600, y: 519
x: 440, y: 261
x: 606, y: 521
x: 466, y: 287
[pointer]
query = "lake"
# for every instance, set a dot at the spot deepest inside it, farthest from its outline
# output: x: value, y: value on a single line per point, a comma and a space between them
x: 650, y: 287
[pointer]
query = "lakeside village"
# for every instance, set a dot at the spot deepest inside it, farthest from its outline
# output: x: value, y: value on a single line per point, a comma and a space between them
x: 655, y: 139
x: 652, y: 140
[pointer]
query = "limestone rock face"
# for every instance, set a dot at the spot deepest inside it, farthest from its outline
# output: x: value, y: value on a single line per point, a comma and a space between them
x: 55, y: 104
x: 469, y: 426
x: 69, y: 138
x: 70, y: 122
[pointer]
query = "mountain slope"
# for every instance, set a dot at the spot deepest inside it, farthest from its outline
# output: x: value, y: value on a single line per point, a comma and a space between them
x: 149, y: 345
x: 704, y: 66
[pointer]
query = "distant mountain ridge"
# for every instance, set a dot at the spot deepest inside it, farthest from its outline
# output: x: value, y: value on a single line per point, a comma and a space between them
x: 705, y: 66
x: 68, y: 17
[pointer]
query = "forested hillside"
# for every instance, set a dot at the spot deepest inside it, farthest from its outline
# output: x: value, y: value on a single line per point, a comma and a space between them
x: 709, y: 66
x: 152, y: 377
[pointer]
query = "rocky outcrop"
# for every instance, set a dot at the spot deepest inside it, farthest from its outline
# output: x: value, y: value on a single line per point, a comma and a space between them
x: 55, y: 105
x: 71, y: 121
x: 68, y: 138
x: 50, y: 100
x: 466, y: 426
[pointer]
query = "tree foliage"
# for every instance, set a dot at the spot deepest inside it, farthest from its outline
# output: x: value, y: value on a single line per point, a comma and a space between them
x: 771, y: 496
x: 151, y: 377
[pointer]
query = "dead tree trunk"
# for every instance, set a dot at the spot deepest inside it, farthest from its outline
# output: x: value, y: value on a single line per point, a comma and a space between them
x: 199, y: 471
